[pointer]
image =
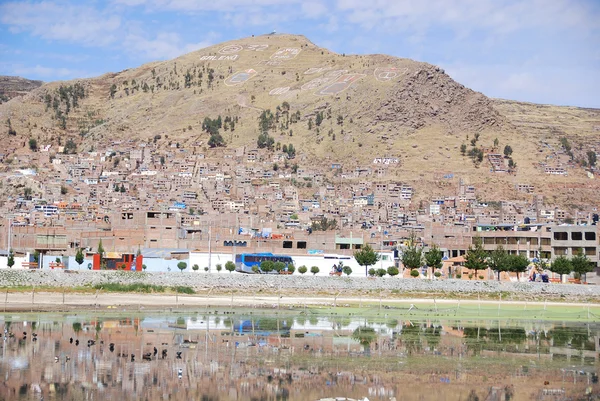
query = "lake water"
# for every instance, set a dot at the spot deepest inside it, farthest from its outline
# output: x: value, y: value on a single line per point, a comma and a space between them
x: 303, y: 355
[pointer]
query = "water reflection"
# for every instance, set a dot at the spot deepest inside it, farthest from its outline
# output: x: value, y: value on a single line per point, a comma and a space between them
x: 296, y: 355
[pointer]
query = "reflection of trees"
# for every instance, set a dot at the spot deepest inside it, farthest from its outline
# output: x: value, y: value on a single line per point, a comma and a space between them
x: 432, y: 335
x: 365, y: 336
x: 410, y: 337
x: 342, y: 321
x: 392, y: 324
x: 77, y: 327
x: 493, y: 339
x: 575, y: 337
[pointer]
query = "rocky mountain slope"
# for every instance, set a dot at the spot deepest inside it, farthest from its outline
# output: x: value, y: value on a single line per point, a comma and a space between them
x: 331, y: 107
x: 16, y: 86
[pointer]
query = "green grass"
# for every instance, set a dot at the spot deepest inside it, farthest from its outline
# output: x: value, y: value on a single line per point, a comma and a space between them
x: 137, y: 287
x: 143, y: 288
x: 183, y: 289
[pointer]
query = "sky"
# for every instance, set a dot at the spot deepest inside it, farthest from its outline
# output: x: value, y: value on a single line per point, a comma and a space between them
x: 542, y: 51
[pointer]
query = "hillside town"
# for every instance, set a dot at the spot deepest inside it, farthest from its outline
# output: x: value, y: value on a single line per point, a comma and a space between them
x: 138, y: 198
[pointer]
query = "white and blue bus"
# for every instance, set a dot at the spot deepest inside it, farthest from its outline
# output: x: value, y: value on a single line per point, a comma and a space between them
x: 244, y: 262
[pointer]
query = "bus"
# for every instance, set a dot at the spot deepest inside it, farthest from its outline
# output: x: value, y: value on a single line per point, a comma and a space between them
x: 245, y: 261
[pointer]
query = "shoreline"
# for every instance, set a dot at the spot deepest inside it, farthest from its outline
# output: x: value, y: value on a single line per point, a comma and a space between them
x: 413, y: 307
x: 107, y: 290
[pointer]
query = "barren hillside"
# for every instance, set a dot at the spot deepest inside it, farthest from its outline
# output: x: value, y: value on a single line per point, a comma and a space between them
x: 331, y: 107
x: 16, y: 86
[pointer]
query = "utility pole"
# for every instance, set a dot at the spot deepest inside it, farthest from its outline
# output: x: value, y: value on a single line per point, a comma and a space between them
x: 209, y: 250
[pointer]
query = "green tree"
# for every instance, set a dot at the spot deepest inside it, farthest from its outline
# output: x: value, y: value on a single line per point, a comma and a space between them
x: 230, y: 266
x: 517, y: 264
x: 591, y: 158
x: 463, y: 149
x: 366, y: 257
x: 381, y: 272
x: 219, y: 267
x: 433, y: 258
x: 347, y: 270
x: 497, y: 260
x: 79, y: 257
x: 302, y: 269
x: 560, y: 266
x: 581, y: 264
x: 182, y: 266
x: 144, y: 267
x: 372, y: 272
x: 265, y: 141
x: 412, y: 256
x: 266, y: 266
x: 33, y: 144
x: 393, y: 271
x: 195, y: 267
x: 507, y: 151
x: 314, y: 270
x: 100, y: 249
x: 414, y: 273
x: 475, y: 259
x: 216, y: 140
x: 64, y: 190
x: 70, y: 147
x: 10, y: 262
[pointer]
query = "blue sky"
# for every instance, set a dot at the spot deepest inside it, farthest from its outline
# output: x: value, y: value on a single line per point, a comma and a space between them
x: 544, y: 51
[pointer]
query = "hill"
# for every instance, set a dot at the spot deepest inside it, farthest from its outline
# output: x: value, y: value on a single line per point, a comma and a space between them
x: 331, y: 107
x: 16, y: 86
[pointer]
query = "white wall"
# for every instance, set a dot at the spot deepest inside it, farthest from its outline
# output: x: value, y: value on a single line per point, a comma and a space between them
x: 324, y: 265
x: 18, y: 262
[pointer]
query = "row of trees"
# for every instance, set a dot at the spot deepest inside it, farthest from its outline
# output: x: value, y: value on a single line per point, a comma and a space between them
x: 501, y: 261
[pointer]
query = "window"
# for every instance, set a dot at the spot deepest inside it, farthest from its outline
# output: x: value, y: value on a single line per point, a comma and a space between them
x: 301, y: 244
x: 590, y: 251
x: 576, y: 236
x: 590, y: 236
x: 533, y: 241
x: 561, y: 236
x: 560, y: 251
x: 545, y: 241
x: 287, y: 244
x: 344, y: 246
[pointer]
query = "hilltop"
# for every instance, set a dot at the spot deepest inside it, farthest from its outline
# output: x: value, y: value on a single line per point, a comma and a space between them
x: 332, y: 107
x: 16, y: 86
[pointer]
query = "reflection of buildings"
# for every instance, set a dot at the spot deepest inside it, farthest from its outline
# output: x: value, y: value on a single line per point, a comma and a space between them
x: 260, y: 356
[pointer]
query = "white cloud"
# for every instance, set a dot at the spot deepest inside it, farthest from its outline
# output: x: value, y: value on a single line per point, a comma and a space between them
x: 39, y: 71
x: 54, y: 21
x: 165, y: 45
x: 497, y: 17
x: 313, y: 9
x: 90, y: 27
x: 205, y: 5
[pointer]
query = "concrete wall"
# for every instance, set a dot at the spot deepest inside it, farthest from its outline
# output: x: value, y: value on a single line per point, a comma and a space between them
x: 324, y: 265
x: 18, y: 262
